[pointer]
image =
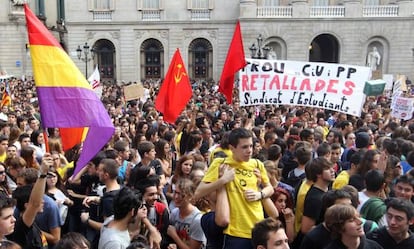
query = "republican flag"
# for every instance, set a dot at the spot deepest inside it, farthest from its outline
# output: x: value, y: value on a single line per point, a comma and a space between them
x: 175, y: 91
x: 6, y: 97
x: 66, y: 99
x: 95, y: 82
x: 235, y: 61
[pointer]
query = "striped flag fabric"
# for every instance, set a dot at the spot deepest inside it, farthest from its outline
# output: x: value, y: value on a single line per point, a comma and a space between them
x: 66, y: 100
x: 6, y: 97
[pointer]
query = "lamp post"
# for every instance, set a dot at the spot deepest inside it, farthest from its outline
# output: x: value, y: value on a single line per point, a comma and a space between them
x: 259, y: 51
x: 85, y: 57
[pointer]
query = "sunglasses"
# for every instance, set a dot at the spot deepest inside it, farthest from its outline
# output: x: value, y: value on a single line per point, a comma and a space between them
x: 49, y: 175
x: 2, y: 172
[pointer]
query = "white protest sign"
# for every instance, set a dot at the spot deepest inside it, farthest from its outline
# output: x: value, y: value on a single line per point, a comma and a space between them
x: 331, y: 86
x: 403, y: 108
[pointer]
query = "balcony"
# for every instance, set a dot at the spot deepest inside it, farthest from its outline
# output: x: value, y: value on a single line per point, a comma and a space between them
x: 327, y: 11
x: 274, y: 12
x: 102, y: 16
x: 380, y: 11
x: 200, y: 14
x: 151, y: 15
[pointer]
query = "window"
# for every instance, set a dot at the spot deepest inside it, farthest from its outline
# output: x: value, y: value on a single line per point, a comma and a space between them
x: 61, y: 10
x: 200, y: 4
x: 200, y: 53
x: 321, y: 3
x: 40, y: 8
x: 152, y: 52
x: 101, y: 5
x: 270, y: 3
x: 150, y: 4
x: 372, y: 2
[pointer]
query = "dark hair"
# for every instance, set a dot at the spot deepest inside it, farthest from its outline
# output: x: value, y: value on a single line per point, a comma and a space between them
x: 260, y: 232
x: 405, y: 179
x: 274, y: 152
x: 237, y: 134
x: 402, y: 205
x: 126, y: 200
x: 72, y: 240
x: 6, y: 202
x: 317, y: 166
x: 323, y: 149
x: 374, y: 180
x: 330, y: 197
x: 145, y: 147
x: 22, y: 196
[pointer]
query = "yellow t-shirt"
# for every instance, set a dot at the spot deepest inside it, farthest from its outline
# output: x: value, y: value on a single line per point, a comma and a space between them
x: 341, y: 180
x: 243, y: 214
x: 3, y: 157
x: 300, y: 203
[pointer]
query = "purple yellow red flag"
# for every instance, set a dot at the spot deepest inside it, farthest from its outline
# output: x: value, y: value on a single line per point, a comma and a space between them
x: 235, y: 61
x: 66, y: 99
x: 175, y: 91
x: 6, y: 97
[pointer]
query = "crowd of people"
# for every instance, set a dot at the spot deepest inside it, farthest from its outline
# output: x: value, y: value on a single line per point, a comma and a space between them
x: 221, y: 176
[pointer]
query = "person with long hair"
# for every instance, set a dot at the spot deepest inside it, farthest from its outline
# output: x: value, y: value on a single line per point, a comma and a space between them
x: 185, y: 228
x: 29, y: 155
x: 38, y: 143
x: 73, y: 240
x: 370, y: 160
x: 56, y: 189
x: 4, y: 186
x: 284, y: 205
x: 182, y: 170
x: 163, y: 154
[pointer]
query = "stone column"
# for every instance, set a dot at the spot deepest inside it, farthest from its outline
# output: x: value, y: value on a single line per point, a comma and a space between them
x: 248, y: 9
x: 406, y: 7
x: 300, y: 9
x: 353, y: 8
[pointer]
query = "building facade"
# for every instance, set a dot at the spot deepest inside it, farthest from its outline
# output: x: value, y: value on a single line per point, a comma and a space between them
x: 132, y: 40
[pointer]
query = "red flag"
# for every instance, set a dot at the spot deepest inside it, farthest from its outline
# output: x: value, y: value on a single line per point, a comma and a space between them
x: 235, y: 61
x: 175, y: 91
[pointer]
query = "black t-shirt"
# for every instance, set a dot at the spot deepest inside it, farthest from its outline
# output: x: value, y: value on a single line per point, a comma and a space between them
x: 365, y: 244
x: 317, y: 238
x: 213, y: 232
x: 313, y: 204
x: 382, y: 237
x: 28, y: 237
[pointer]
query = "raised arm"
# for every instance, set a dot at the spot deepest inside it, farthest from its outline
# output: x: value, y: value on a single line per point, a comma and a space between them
x: 36, y: 196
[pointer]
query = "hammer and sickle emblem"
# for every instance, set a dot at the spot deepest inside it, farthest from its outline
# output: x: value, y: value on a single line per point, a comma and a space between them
x: 178, y: 74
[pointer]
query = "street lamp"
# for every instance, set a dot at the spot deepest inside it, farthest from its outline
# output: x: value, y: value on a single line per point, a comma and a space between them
x: 259, y: 51
x: 85, y: 58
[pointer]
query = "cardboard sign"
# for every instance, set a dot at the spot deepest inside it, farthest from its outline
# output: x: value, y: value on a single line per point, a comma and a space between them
x: 134, y: 91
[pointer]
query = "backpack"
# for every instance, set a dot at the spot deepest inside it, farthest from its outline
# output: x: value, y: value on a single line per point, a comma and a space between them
x: 373, y: 209
x: 294, y: 180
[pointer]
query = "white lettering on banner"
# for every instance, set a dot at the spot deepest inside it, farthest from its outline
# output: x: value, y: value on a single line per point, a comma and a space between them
x: 336, y: 87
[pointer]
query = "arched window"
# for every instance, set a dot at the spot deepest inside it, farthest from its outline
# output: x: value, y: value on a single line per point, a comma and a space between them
x: 105, y: 58
x: 152, y: 55
x: 200, y: 61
